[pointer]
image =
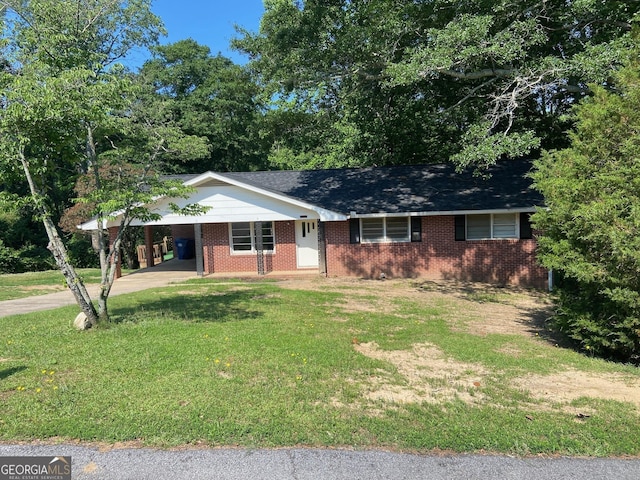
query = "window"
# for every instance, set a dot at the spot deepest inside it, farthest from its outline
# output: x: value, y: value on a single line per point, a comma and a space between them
x: 372, y: 229
x: 244, y: 237
x: 504, y: 225
x: 478, y: 226
x: 491, y: 226
x: 390, y: 229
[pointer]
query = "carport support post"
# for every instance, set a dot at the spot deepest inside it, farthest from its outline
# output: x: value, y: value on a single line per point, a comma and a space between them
x: 148, y: 244
x: 322, y: 248
x: 197, y: 230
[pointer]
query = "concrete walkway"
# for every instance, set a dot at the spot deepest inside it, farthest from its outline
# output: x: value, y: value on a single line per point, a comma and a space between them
x: 173, y: 271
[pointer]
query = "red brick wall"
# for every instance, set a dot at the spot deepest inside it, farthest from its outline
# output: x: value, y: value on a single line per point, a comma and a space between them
x: 218, y: 257
x: 438, y: 256
x: 182, y: 231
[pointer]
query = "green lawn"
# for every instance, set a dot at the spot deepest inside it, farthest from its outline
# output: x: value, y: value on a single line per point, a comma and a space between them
x: 257, y: 365
x: 21, y: 285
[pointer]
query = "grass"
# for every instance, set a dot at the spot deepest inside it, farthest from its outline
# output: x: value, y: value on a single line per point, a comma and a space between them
x: 21, y: 285
x: 257, y: 365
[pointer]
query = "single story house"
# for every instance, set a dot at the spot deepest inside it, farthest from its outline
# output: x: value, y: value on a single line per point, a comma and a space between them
x: 426, y: 221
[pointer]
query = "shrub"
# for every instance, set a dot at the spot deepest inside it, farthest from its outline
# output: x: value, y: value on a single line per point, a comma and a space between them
x: 26, y: 259
x: 9, y: 259
x: 604, y: 322
x: 81, y: 252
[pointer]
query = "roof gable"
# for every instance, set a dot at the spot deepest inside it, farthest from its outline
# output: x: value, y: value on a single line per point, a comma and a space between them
x: 338, y: 194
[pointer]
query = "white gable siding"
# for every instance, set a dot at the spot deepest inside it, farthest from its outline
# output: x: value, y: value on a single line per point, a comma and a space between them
x: 231, y: 204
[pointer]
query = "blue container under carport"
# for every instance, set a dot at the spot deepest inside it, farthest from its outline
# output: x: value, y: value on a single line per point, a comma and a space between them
x: 186, y: 248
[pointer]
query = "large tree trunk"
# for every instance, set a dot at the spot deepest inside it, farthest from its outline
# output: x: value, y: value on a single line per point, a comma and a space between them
x: 59, y: 251
x: 109, y: 263
x: 74, y: 282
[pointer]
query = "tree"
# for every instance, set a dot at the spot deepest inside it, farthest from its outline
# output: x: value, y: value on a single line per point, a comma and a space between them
x: 209, y: 97
x: 591, y: 226
x: 69, y: 108
x: 20, y: 240
x: 401, y: 81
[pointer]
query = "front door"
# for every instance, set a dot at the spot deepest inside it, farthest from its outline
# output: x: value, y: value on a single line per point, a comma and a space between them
x: 307, y: 243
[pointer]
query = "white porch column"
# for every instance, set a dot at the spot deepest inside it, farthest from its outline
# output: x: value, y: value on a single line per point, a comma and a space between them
x: 197, y: 230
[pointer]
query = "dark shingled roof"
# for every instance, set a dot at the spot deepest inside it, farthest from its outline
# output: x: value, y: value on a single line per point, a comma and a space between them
x: 403, y: 189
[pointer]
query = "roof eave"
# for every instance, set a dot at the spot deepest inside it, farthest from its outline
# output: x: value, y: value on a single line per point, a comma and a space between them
x: 441, y: 213
x: 323, y: 214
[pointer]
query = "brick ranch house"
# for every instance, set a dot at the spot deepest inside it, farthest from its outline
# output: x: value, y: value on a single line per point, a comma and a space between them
x: 424, y: 221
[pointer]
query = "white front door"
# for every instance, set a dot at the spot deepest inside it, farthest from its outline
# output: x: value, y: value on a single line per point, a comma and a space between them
x: 307, y: 243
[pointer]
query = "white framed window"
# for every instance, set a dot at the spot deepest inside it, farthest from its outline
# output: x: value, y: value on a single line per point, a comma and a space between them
x: 385, y: 229
x: 243, y: 237
x: 492, y: 226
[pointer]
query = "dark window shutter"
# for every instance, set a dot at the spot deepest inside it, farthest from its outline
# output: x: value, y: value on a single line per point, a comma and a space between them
x: 525, y: 226
x: 354, y: 230
x: 416, y: 229
x: 461, y: 227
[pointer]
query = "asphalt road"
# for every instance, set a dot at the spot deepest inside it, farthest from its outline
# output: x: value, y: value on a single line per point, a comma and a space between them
x: 315, y: 464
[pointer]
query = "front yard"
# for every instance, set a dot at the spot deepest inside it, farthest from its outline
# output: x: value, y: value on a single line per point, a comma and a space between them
x: 401, y: 365
x: 21, y: 285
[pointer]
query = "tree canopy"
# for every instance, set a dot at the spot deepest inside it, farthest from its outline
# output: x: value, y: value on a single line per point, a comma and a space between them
x: 208, y: 97
x: 70, y: 109
x: 403, y: 81
x: 591, y: 226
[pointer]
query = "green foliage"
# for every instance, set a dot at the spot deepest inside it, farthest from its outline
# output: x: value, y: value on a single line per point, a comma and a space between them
x: 9, y: 259
x: 70, y: 110
x: 81, y: 252
x: 22, y: 241
x: 28, y: 258
x: 591, y: 228
x: 208, y: 97
x: 400, y: 81
x: 16, y: 222
x: 481, y: 149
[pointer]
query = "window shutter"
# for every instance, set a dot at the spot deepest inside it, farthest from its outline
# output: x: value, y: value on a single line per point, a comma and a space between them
x: 416, y: 229
x: 354, y: 230
x: 526, y: 231
x: 460, y: 228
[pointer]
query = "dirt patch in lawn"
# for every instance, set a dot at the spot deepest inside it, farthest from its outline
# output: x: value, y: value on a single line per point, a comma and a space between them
x: 429, y: 376
x: 569, y: 385
x: 52, y: 288
x: 478, y: 309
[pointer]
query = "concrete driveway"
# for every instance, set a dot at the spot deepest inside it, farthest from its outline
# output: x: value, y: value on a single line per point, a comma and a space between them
x: 173, y: 271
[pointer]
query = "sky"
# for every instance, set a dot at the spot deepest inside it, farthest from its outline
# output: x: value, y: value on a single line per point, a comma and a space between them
x: 208, y: 22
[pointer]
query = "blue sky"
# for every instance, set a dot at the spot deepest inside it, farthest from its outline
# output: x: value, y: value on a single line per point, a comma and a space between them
x: 208, y: 22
